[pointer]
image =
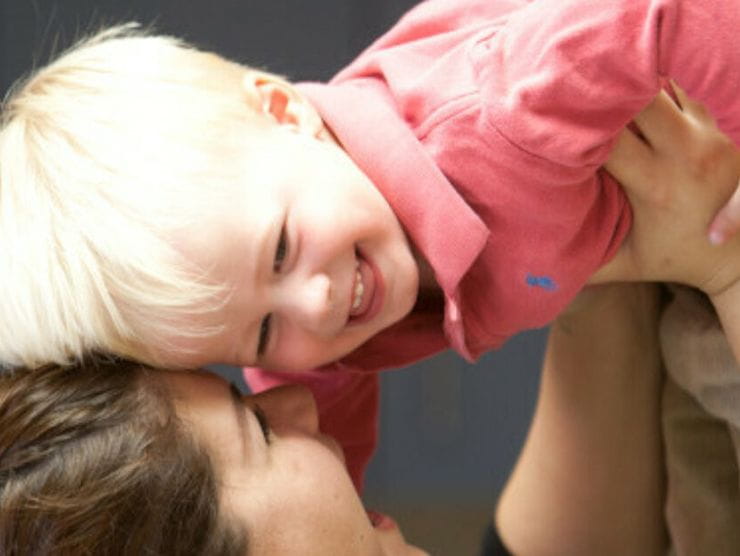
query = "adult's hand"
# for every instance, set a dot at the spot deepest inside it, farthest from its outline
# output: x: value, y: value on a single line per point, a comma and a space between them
x: 678, y: 169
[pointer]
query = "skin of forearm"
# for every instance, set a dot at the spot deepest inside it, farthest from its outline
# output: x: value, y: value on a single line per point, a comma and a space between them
x: 727, y: 305
x: 589, y: 479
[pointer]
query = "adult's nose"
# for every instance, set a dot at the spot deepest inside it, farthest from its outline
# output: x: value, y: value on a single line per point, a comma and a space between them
x: 290, y: 408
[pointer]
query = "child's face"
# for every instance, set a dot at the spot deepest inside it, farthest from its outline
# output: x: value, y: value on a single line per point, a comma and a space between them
x: 314, y: 257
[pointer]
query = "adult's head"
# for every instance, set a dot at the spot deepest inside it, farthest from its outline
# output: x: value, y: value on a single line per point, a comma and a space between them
x: 173, y: 207
x: 113, y: 458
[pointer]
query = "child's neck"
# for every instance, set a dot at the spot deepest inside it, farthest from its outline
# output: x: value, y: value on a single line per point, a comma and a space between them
x: 430, y: 298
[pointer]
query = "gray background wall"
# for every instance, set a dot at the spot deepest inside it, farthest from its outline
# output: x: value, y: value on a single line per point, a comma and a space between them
x: 450, y: 431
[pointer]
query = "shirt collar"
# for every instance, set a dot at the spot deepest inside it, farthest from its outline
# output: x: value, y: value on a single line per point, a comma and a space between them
x: 436, y: 218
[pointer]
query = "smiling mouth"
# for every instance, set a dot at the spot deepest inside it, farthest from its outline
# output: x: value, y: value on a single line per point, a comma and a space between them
x: 359, y: 291
x: 366, y: 294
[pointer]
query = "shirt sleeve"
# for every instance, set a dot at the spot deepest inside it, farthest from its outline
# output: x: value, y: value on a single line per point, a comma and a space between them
x: 557, y: 82
x: 348, y: 408
x: 565, y: 76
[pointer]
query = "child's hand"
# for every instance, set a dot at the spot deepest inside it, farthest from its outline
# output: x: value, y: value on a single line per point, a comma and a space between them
x: 677, y: 172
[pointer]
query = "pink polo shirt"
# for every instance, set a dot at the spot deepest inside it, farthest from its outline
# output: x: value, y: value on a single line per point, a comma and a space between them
x: 484, y: 124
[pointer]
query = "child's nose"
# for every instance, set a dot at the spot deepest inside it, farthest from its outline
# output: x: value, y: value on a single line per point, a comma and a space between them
x: 311, y: 303
x: 289, y: 408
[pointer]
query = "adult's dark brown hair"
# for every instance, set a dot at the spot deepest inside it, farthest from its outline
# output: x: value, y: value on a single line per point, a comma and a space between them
x: 93, y: 460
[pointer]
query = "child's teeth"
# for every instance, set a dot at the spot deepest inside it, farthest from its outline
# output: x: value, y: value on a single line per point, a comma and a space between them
x: 359, y: 290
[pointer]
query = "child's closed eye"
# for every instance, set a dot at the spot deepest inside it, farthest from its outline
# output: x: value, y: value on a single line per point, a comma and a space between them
x: 281, y: 250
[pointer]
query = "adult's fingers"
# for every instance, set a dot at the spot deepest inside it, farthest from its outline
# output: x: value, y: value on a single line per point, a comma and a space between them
x: 689, y: 106
x: 662, y: 121
x: 633, y: 163
x: 727, y: 221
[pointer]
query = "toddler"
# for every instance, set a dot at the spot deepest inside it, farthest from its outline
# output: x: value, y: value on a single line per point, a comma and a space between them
x: 441, y: 191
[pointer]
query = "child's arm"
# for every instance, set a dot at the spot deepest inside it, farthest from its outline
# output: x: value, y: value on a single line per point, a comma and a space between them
x: 559, y: 81
x: 589, y: 479
x: 569, y: 74
x: 593, y: 66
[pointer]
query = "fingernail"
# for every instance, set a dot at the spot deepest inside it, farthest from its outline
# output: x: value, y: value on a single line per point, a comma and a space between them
x: 716, y: 237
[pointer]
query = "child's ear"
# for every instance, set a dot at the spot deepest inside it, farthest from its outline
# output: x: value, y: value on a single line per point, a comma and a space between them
x: 281, y: 102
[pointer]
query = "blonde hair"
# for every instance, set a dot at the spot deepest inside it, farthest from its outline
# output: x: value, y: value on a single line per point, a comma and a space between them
x: 105, y: 154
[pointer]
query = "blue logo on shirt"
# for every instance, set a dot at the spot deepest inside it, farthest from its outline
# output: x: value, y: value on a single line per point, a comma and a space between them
x: 544, y: 282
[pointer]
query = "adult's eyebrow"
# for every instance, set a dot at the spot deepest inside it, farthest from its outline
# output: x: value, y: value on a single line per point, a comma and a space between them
x: 241, y: 417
